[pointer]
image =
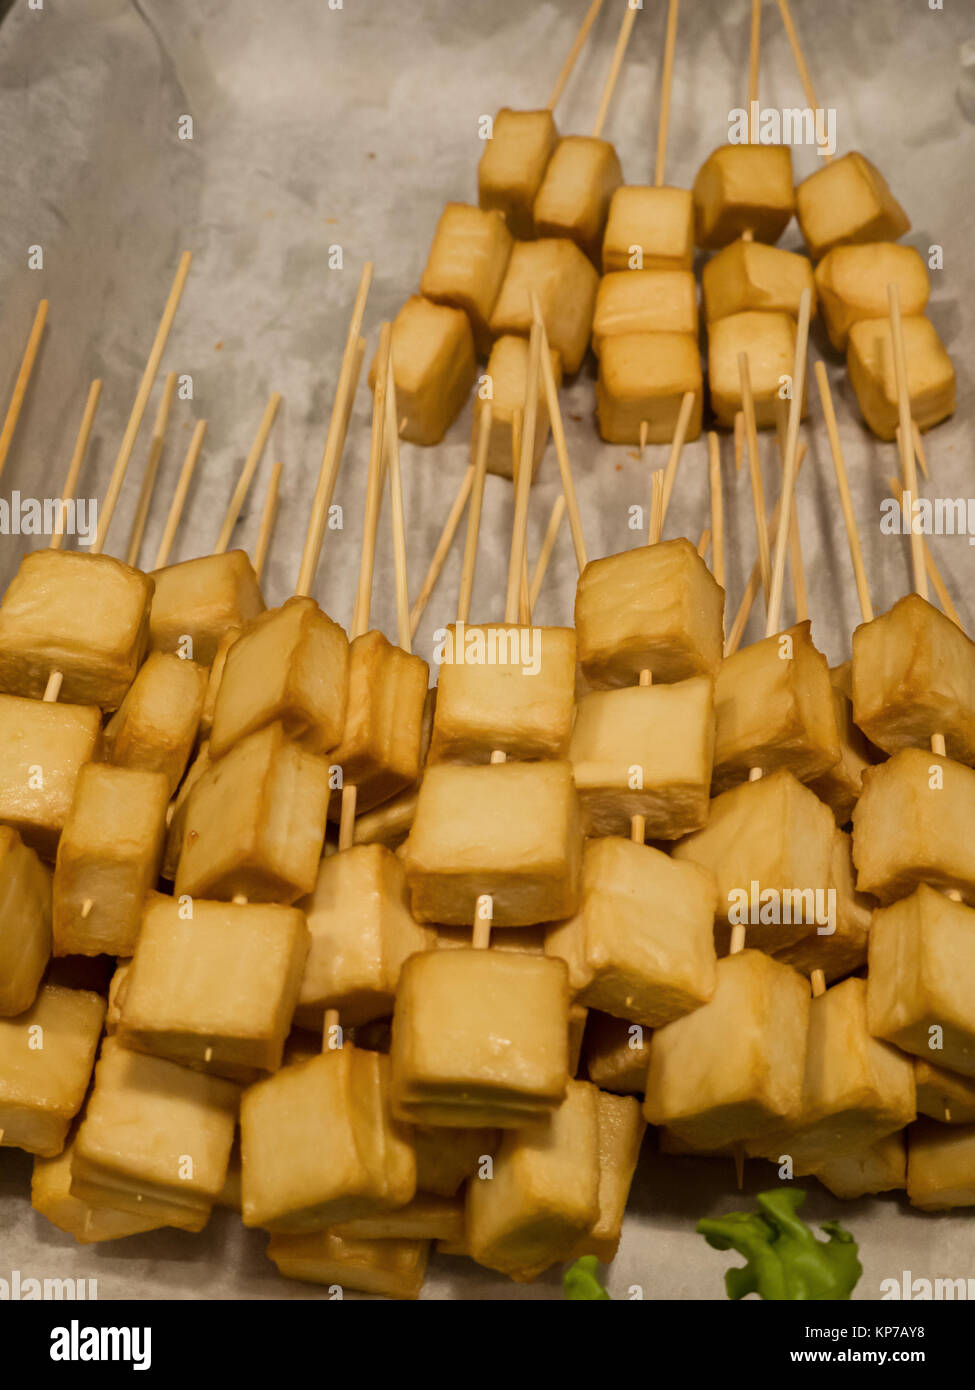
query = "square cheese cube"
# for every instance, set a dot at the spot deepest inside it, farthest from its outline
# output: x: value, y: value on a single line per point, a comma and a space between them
x: 467, y: 263
x: 511, y: 169
x: 911, y: 826
x: 940, y: 1166
x: 155, y: 726
x: 656, y: 608
x: 25, y: 923
x: 930, y: 374
x: 644, y: 301
x: 845, y: 949
x: 616, y: 1054
x: 943, y: 1095
x: 388, y: 1268
x: 750, y: 275
x: 509, y: 830
x: 361, y: 933
x: 46, y: 1057
x: 769, y: 340
x: 852, y: 285
x: 645, y: 751
x: 108, y: 859
x: 880, y: 1167
x: 507, y: 371
x: 84, y: 615
x: 643, y: 378
x: 451, y: 1009
x: 565, y: 282
x: 848, y: 201
x: 215, y: 991
x: 642, y: 945
x: 197, y: 601
x: 649, y: 229
x: 573, y: 200
x: 45, y: 744
x: 621, y: 1128
x: 505, y: 687
x: 742, y: 188
x: 446, y: 1158
x: 840, y: 785
x: 289, y: 664
x: 50, y: 1194
x: 176, y: 813
x: 732, y: 1070
x: 434, y: 366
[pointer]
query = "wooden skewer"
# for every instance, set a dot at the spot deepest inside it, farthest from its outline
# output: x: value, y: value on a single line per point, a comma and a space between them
x: 642, y: 442
x: 558, y: 439
x: 23, y: 381
x: 908, y: 469
x: 753, y: 66
x: 704, y: 544
x: 666, y: 83
x: 626, y: 29
x: 800, y: 63
x: 516, y: 433
x: 179, y: 496
x: 739, y: 439
x: 247, y: 472
x: 795, y: 540
x: 755, y: 473
x: 152, y: 468
x: 843, y: 487
x: 717, y: 506
x: 934, y: 574
x: 817, y: 983
x: 77, y: 459
x: 789, y: 466
x: 516, y: 562
x: 474, y: 514
x: 918, y: 447
x: 374, y: 489
x: 545, y: 554
x: 443, y: 548
x: 404, y: 630
x: 577, y: 47
x: 676, y: 447
x: 268, y: 516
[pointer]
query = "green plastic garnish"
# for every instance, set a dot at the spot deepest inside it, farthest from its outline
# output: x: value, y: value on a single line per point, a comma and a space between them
x: 784, y: 1257
x: 580, y: 1280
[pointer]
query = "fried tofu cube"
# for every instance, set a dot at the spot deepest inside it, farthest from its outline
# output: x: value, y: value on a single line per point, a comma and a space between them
x: 214, y: 677
x: 291, y: 665
x: 389, y: 1268
x: 198, y: 601
x: 642, y: 380
x: 510, y: 830
x: 649, y: 229
x: 943, y: 1095
x: 507, y: 370
x: 644, y: 301
x: 840, y: 785
x: 911, y: 826
x: 319, y: 1144
x: 84, y: 615
x: 511, y: 169
x: 446, y: 1158
x: 50, y: 1195
x: 848, y: 201
x: 451, y: 1008
x: 642, y: 945
x: 25, y: 923
x: 573, y: 200
x: 769, y: 340
x: 215, y: 991
x: 914, y: 676
x: 852, y: 281
x: 732, y: 1071
x: 742, y: 188
x: 616, y: 1053
x: 45, y: 745
x: 379, y: 750
x: 566, y: 283
x: 645, y: 751
x: 46, y: 1057
x: 176, y: 813
x: 621, y: 1128
x: 769, y: 845
x: 361, y: 933
x: 507, y: 687
x: 930, y: 374
x: 424, y: 1217
x: 922, y: 978
x: 941, y: 1166
x: 880, y: 1167
x: 434, y: 366
x: 656, y: 608
x: 845, y: 949
x: 255, y: 822
x: 748, y: 275
x: 108, y: 859
x: 155, y: 726
x: 467, y: 263
x: 544, y: 1195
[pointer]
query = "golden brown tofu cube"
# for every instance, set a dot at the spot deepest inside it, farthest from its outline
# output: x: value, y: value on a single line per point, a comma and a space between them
x: 769, y: 341
x: 504, y: 687
x: 50, y: 1194
x: 880, y: 1167
x: 507, y: 369
x: 649, y: 229
x: 45, y: 745
x: 108, y: 859
x: 911, y: 826
x: 176, y: 813
x: 941, y: 1166
x: 198, y: 601
x: 361, y: 933
x: 621, y: 1128
x: 616, y: 1053
x: 379, y: 750
x: 645, y: 751
x: 642, y: 380
x: 544, y: 1194
x: 644, y: 301
x: 424, y: 1217
x: 565, y: 282
x: 852, y: 285
x: 573, y: 200
x: 215, y: 991
x: 513, y: 164
x: 84, y: 615
x: 732, y: 1071
x: 510, y: 830
x: 642, y: 945
x: 255, y: 822
x: 741, y: 188
x: 452, y: 1007
x: 389, y: 1268
x: 848, y: 201
x: 840, y: 785
x: 656, y: 608
x: 291, y: 665
x: 214, y: 677
x: 25, y: 923
x: 943, y: 1095
x: 845, y: 949
x: 914, y: 676
x: 467, y: 263
x: 434, y: 366
x: 446, y: 1158
x: 46, y: 1057
x: 930, y: 374
x: 750, y: 275
x: 319, y: 1144
x: 155, y: 726
x: 922, y: 978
